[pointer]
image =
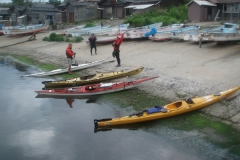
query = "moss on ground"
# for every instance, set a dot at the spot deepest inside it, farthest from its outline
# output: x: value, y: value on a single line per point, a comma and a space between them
x: 228, y: 137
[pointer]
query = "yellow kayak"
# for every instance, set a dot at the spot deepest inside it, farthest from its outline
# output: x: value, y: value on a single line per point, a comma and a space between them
x: 99, y: 77
x: 172, y: 109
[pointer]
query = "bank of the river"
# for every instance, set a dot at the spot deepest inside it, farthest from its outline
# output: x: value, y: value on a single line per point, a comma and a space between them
x: 185, y: 70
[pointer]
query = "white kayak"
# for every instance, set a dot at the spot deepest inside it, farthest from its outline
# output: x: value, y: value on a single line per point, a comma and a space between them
x: 75, y: 67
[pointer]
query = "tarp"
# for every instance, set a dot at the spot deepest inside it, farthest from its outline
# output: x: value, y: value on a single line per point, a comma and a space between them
x: 143, y: 6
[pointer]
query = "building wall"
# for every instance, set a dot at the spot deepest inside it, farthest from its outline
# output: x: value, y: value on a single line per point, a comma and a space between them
x: 82, y: 13
x: 194, y: 13
x: 36, y: 17
x: 14, y: 16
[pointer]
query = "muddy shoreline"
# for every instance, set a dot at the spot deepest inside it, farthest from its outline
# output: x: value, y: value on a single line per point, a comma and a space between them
x: 184, y: 69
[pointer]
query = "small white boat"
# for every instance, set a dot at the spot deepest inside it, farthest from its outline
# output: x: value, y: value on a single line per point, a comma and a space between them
x: 179, y: 34
x: 74, y: 67
x: 139, y: 32
x: 164, y: 33
x: 226, y: 32
x: 23, y: 30
x: 101, y: 39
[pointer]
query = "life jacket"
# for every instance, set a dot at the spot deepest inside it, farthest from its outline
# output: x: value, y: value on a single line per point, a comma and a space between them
x: 69, y: 52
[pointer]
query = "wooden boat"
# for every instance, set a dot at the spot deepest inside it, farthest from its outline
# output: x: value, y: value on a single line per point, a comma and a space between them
x: 95, y: 89
x: 164, y: 33
x: 24, y: 30
x: 178, y: 35
x: 172, y: 109
x: 74, y: 67
x: 139, y: 32
x: 226, y: 32
x: 99, y: 77
x: 101, y: 39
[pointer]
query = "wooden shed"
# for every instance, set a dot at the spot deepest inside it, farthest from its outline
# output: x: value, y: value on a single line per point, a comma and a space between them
x: 228, y: 10
x: 40, y: 12
x: 201, y: 10
x: 81, y: 11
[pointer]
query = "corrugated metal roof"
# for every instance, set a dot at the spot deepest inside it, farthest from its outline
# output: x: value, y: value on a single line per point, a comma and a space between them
x: 224, y: 1
x: 82, y: 4
x: 202, y: 3
x: 139, y: 6
x: 42, y: 7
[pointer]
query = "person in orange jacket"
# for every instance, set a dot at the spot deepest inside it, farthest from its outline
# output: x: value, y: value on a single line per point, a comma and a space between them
x: 70, y: 101
x: 116, y: 50
x: 70, y: 54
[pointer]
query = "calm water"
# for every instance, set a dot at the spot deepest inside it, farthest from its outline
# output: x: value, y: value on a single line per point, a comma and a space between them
x: 48, y: 129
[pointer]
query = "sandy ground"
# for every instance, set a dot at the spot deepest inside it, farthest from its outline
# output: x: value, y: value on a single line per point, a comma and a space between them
x: 183, y: 68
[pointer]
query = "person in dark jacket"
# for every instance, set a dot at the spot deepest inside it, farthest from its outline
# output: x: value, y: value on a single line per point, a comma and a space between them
x: 92, y: 42
x: 70, y: 54
x: 116, y: 50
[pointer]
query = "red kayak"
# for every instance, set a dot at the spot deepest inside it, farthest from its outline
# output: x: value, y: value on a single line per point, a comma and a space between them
x: 94, y: 89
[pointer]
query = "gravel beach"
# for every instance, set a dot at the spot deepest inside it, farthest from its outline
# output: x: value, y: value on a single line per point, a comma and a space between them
x: 183, y: 68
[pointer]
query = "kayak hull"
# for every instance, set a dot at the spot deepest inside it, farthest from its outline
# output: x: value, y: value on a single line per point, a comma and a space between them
x: 64, y: 70
x: 99, y: 77
x: 95, y: 89
x: 169, y: 110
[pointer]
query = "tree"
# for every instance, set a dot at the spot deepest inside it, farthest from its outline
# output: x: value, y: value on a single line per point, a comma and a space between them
x: 56, y: 3
x: 18, y: 2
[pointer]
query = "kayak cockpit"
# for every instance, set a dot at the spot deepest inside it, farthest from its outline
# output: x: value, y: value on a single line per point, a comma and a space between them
x: 174, y: 106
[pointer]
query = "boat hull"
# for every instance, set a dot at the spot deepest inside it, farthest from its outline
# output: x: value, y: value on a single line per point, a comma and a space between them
x: 99, y: 77
x: 169, y: 110
x: 95, y: 89
x: 64, y: 70
x: 23, y: 32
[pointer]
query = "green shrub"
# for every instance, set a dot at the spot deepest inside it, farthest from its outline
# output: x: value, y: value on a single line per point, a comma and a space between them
x: 78, y: 39
x: 89, y: 24
x: 53, y: 37
x: 45, y: 38
x: 166, y: 16
x: 67, y: 40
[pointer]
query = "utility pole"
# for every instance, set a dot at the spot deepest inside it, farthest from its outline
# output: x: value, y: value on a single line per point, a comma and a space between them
x: 116, y: 10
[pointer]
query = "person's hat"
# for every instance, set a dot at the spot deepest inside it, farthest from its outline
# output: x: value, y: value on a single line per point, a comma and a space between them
x: 70, y: 44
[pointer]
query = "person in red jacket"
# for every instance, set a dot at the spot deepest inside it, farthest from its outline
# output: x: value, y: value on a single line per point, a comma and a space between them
x: 116, y: 50
x: 70, y: 54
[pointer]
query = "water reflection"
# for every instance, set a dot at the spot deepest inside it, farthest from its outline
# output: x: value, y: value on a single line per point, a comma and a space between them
x: 136, y: 126
x: 70, y: 99
x: 12, y: 62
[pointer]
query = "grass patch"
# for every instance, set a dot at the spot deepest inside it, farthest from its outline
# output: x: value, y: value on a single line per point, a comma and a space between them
x: 53, y: 37
x: 43, y: 66
x: 133, y: 97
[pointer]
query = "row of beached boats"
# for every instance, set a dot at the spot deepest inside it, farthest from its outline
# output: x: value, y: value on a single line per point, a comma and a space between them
x: 156, y: 32
x: 176, y: 32
x: 96, y: 84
